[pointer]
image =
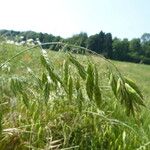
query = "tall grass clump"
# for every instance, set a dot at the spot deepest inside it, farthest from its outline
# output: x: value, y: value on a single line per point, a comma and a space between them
x: 67, y: 101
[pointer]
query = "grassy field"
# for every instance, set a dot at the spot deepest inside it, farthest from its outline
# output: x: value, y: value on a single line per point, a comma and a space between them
x: 56, y: 100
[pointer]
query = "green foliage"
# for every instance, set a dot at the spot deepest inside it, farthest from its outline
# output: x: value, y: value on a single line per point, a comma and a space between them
x: 134, y: 86
x: 97, y: 91
x: 70, y: 88
x: 65, y: 102
x: 146, y: 48
x: 46, y: 92
x: 90, y: 81
x: 1, y: 129
x: 120, y: 49
x: 80, y: 98
x: 25, y: 99
x: 127, y: 92
x: 80, y: 68
x: 136, y: 50
x: 113, y: 83
x: 101, y: 43
x: 135, y: 46
x: 65, y: 71
x: 145, y: 37
x: 79, y: 39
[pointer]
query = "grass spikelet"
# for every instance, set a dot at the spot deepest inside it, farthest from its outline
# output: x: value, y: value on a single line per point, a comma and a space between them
x: 113, y: 83
x: 13, y: 87
x: 70, y: 88
x: 80, y: 98
x: 90, y: 81
x: 97, y: 95
x: 134, y: 86
x: 54, y: 76
x: 48, y: 66
x: 25, y: 99
x: 45, y: 60
x: 120, y: 91
x: 97, y: 91
x: 77, y: 84
x: 16, y: 85
x: 128, y: 95
x: 134, y: 95
x: 1, y: 116
x: 80, y: 68
x: 46, y: 92
x: 65, y: 71
x: 39, y: 133
x: 122, y: 95
x: 119, y: 86
x: 39, y: 81
x: 96, y: 80
x: 44, y: 78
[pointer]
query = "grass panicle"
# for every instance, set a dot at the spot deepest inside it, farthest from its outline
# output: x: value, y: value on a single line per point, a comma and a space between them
x: 80, y: 68
x: 90, y: 81
x: 58, y: 100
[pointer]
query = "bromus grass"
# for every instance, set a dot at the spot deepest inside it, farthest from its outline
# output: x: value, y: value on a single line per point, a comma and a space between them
x: 65, y: 101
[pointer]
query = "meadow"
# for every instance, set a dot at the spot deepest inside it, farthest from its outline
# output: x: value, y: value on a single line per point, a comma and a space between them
x: 64, y: 100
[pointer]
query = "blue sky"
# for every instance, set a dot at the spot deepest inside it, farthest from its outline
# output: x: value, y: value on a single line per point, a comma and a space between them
x: 123, y: 18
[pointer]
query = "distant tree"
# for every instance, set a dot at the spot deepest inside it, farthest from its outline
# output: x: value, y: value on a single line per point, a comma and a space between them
x: 41, y: 37
x: 78, y: 39
x: 101, y: 42
x: 92, y: 43
x: 120, y: 49
x: 108, y: 45
x: 136, y: 50
x: 146, y: 49
x: 145, y: 37
x: 97, y: 42
x: 135, y: 46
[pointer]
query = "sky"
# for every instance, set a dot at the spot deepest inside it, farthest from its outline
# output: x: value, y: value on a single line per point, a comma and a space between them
x: 123, y: 18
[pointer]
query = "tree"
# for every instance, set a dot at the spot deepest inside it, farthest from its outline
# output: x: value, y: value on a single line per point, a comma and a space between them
x: 135, y: 46
x: 120, y: 49
x: 146, y: 44
x: 101, y: 42
x: 108, y: 45
x: 97, y: 42
x: 78, y: 39
x: 145, y: 37
x: 146, y: 49
x: 92, y: 43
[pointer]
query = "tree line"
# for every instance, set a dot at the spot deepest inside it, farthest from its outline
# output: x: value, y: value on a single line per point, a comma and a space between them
x: 135, y: 50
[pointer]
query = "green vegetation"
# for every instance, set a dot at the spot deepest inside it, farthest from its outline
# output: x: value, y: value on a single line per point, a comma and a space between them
x: 59, y: 100
x: 135, y: 50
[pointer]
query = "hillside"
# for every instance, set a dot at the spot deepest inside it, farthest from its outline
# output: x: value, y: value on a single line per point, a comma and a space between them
x: 63, y: 100
x: 135, y: 50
